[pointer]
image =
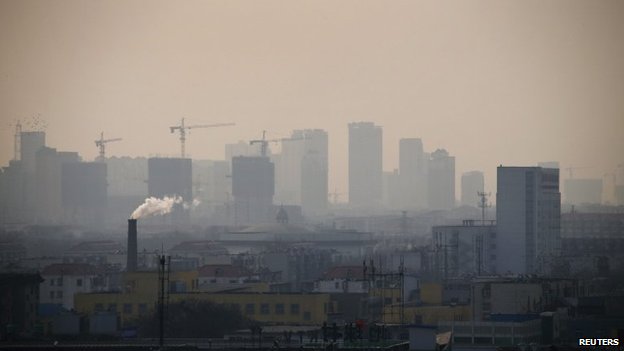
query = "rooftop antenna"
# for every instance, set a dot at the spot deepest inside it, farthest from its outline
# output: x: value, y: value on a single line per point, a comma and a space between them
x: 483, y: 204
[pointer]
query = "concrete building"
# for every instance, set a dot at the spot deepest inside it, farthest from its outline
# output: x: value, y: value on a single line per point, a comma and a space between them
x: 49, y: 205
x: 528, y: 217
x: 19, y: 293
x: 467, y: 249
x: 471, y: 184
x: 84, y: 192
x: 171, y: 177
x: 127, y: 186
x: 62, y: 281
x: 392, y: 194
x: 253, y: 187
x: 314, y: 172
x: 441, y: 180
x: 413, y: 168
x: 582, y: 191
x: 365, y: 165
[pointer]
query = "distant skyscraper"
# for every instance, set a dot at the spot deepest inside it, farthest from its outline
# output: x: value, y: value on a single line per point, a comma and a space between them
x: 48, y: 183
x: 171, y: 177
x: 528, y: 217
x: 365, y: 164
x: 314, y: 172
x: 253, y: 187
x: 84, y: 193
x: 441, y: 180
x: 471, y: 184
x: 412, y: 173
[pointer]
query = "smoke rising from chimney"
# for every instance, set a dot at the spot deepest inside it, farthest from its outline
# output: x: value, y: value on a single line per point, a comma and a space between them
x: 156, y: 207
x: 191, y: 205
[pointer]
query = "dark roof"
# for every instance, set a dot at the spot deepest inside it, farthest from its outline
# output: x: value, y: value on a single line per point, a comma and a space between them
x: 98, y: 246
x: 223, y: 270
x: 69, y: 269
x: 345, y: 272
x: 199, y: 246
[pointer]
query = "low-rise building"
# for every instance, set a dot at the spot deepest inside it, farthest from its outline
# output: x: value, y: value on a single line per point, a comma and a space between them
x: 62, y: 281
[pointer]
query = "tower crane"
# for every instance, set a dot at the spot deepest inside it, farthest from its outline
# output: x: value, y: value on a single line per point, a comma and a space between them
x: 264, y: 142
x: 183, y: 130
x: 101, y: 143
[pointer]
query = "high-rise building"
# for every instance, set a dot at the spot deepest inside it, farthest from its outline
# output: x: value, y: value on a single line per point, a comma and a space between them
x: 49, y: 163
x: 171, y: 177
x: 288, y: 170
x: 314, y: 172
x: 412, y: 173
x: 84, y: 192
x: 253, y: 187
x: 441, y: 180
x: 528, y: 218
x: 30, y: 143
x: 365, y: 164
x: 472, y: 183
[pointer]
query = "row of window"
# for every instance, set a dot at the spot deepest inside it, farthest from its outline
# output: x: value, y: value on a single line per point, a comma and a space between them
x: 59, y: 282
x: 127, y: 308
x: 278, y: 308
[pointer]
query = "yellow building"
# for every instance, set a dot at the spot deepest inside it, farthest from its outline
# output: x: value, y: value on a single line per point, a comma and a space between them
x: 431, y: 293
x: 303, y: 309
x: 428, y: 315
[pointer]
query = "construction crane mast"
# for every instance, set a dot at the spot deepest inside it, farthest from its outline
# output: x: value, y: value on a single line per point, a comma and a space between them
x: 183, y: 130
x: 264, y: 142
x: 101, y: 143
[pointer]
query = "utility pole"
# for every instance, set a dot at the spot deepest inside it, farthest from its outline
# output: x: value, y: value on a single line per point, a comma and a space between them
x: 163, y: 296
x: 483, y: 204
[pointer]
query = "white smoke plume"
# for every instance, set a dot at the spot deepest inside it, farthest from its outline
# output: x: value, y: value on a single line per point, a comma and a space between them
x: 154, y: 206
x: 191, y: 205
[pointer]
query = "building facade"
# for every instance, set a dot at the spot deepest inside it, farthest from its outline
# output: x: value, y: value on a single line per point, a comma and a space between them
x: 471, y: 184
x: 365, y: 164
x: 528, y: 218
x: 441, y: 180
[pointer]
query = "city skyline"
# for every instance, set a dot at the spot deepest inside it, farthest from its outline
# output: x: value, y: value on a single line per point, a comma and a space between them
x: 492, y: 83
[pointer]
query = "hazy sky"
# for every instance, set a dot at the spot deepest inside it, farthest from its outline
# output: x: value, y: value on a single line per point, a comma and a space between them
x: 493, y: 82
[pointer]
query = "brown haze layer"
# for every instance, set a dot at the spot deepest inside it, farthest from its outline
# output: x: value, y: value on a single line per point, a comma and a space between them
x: 511, y: 82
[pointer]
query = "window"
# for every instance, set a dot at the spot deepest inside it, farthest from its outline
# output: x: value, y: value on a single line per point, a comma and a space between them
x: 51, y: 282
x: 337, y: 285
x: 279, y: 308
x: 250, y: 308
x: 235, y: 307
x: 142, y: 308
x: 59, y: 294
x: 59, y: 281
x: 294, y: 308
x: 98, y: 307
x: 51, y: 294
x: 307, y: 316
x: 127, y: 308
x: 264, y: 308
x: 388, y: 301
x: 112, y: 307
x: 232, y: 281
x: 78, y: 282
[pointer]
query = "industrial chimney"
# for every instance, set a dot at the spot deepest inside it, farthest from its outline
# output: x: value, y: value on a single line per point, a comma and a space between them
x: 131, y: 264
